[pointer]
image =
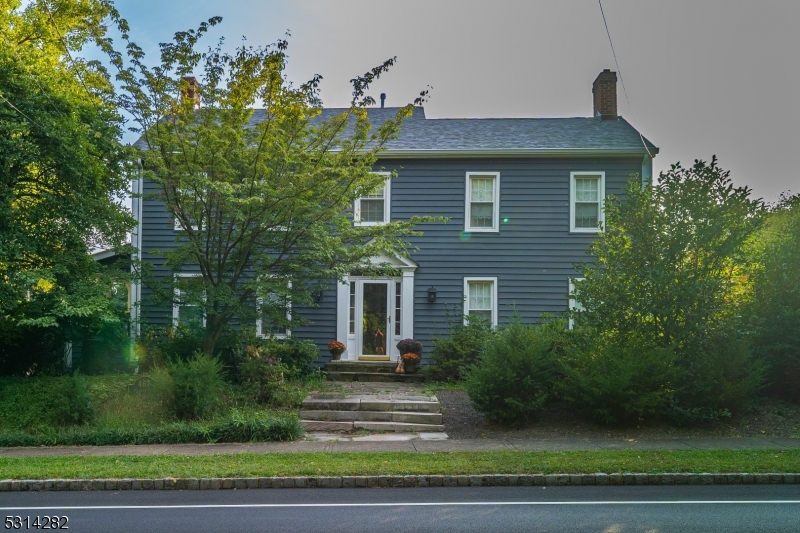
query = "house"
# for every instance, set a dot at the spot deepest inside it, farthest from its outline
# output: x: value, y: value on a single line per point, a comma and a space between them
x: 524, y: 198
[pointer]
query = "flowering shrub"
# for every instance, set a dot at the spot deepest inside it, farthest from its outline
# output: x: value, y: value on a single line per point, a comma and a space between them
x: 336, y: 345
x: 410, y: 356
x: 409, y: 345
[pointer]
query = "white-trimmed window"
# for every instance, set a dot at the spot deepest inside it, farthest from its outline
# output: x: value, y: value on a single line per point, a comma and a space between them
x: 374, y: 208
x: 184, y: 309
x: 267, y: 326
x: 574, y: 305
x: 178, y: 226
x: 480, y: 298
x: 587, y: 192
x: 482, y: 206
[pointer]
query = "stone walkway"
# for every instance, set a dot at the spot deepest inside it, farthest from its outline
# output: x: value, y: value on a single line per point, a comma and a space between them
x: 389, y: 443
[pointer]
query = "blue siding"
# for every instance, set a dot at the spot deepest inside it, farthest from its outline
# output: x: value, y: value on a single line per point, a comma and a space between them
x: 531, y: 256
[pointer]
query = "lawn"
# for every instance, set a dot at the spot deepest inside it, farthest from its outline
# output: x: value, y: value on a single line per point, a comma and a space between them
x: 399, y: 463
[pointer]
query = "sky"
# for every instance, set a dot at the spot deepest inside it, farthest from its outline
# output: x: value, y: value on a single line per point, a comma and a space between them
x: 701, y: 77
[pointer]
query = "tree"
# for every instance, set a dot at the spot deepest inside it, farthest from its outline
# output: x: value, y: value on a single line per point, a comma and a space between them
x: 671, y: 269
x: 62, y: 170
x: 775, y: 306
x: 265, y: 206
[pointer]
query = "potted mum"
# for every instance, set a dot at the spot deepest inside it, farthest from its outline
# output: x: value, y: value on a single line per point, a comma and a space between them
x: 412, y: 354
x: 410, y: 362
x: 410, y: 346
x: 337, y: 349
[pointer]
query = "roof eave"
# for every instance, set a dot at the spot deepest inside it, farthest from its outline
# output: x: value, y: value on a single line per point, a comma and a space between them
x: 516, y: 152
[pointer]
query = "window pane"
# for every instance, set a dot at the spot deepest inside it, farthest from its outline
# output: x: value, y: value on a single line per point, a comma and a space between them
x: 482, y: 189
x: 481, y: 215
x: 190, y: 314
x: 587, y: 189
x: 485, y: 314
x: 372, y: 210
x: 397, y: 310
x: 586, y: 215
x: 377, y: 194
x: 272, y: 314
x: 480, y: 296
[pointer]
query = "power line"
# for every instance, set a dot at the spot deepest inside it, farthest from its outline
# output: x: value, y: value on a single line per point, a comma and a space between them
x: 66, y: 48
x: 621, y: 79
x: 15, y: 108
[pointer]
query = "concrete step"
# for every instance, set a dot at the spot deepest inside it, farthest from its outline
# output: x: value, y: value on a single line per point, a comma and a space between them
x: 379, y: 377
x: 373, y: 416
x: 399, y: 427
x: 358, y: 404
x: 372, y: 367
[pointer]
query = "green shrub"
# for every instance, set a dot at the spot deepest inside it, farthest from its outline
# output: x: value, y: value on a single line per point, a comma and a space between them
x: 721, y: 378
x: 198, y: 385
x: 73, y: 404
x: 262, y: 378
x: 45, y: 401
x: 462, y: 348
x: 513, y: 378
x: 297, y: 355
x: 618, y: 380
x: 235, y: 427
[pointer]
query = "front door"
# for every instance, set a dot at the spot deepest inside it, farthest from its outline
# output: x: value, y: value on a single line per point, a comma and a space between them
x: 374, y: 319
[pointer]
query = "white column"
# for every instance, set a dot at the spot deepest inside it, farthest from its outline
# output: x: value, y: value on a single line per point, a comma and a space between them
x: 407, y: 305
x: 343, y: 313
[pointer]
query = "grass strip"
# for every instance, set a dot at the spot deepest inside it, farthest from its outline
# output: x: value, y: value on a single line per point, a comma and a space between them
x: 399, y: 463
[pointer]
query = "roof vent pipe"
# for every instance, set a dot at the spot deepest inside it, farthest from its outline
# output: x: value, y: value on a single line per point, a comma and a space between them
x: 383, y: 99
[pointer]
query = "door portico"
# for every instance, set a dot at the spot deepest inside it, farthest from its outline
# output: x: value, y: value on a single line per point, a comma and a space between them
x: 373, y: 314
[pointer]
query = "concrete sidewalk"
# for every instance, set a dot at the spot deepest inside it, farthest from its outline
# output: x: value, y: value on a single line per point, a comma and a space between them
x: 389, y: 443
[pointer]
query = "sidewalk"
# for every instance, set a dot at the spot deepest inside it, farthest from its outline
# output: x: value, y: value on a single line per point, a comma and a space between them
x: 391, y: 443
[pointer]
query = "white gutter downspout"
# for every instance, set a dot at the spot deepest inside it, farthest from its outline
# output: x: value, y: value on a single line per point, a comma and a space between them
x: 137, y: 188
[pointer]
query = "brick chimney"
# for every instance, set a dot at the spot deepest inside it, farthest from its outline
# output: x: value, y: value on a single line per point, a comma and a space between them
x: 190, y: 88
x: 604, y: 91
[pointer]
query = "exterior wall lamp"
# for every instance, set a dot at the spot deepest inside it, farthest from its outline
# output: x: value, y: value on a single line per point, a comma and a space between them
x: 432, y: 295
x: 317, y: 296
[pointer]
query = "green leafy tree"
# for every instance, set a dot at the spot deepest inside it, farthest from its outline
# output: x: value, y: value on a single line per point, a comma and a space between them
x: 62, y: 171
x: 671, y: 269
x: 775, y: 305
x: 262, y: 203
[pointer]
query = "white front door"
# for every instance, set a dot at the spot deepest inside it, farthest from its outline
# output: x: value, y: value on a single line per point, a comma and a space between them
x: 375, y: 319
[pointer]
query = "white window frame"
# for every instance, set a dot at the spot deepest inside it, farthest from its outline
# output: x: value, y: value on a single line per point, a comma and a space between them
x: 573, y: 303
x: 176, y: 304
x: 387, y: 203
x: 259, y: 320
x: 601, y: 216
x: 495, y: 207
x: 494, y: 297
x: 178, y: 226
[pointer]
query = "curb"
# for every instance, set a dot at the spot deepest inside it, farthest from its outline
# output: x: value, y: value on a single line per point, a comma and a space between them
x: 348, y: 482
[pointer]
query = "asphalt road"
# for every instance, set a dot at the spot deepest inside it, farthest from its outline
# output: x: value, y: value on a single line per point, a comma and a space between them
x: 651, y: 509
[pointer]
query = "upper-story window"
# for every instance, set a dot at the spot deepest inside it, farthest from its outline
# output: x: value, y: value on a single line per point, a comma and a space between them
x: 483, y: 201
x: 185, y: 194
x: 587, y: 191
x: 374, y: 208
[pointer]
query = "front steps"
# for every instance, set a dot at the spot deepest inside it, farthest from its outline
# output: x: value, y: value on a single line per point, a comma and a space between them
x: 369, y: 412
x: 369, y: 371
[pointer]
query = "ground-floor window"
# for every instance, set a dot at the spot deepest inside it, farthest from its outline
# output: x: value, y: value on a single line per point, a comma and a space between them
x: 480, y: 298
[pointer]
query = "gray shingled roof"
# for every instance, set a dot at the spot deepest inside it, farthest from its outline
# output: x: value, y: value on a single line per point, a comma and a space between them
x: 464, y: 135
